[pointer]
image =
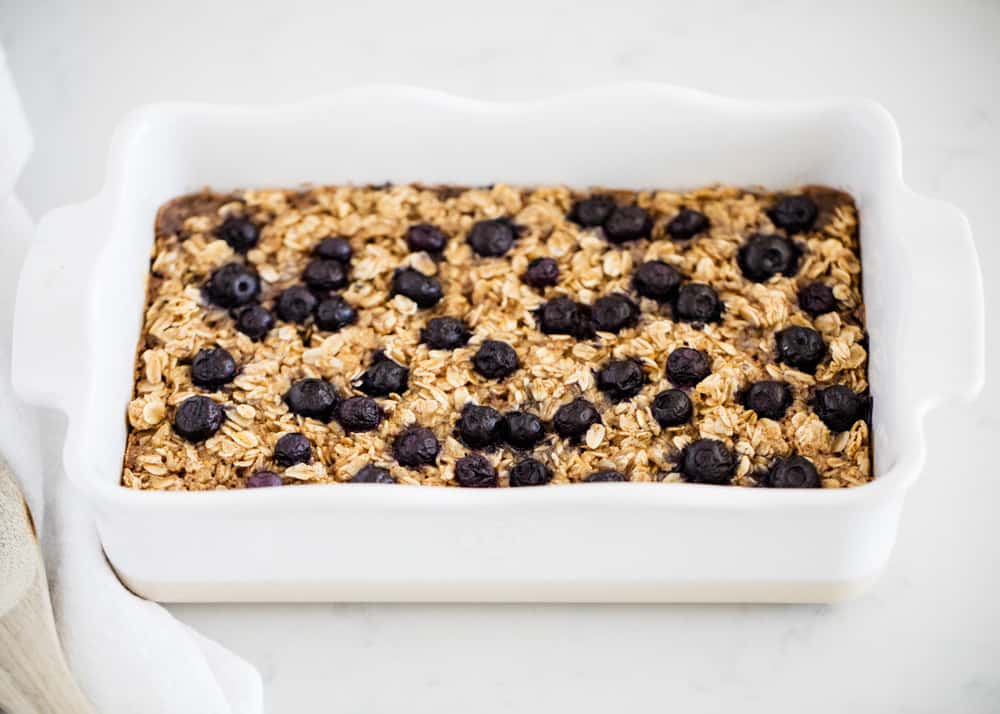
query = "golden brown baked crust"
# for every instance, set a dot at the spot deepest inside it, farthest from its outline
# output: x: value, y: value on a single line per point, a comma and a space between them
x: 490, y: 295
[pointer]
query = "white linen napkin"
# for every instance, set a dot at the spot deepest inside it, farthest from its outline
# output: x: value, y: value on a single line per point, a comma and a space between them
x: 129, y: 655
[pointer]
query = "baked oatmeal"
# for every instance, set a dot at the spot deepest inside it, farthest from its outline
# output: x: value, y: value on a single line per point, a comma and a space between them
x: 502, y: 336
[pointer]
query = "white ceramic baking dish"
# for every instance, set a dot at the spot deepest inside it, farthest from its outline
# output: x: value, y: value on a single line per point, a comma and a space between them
x: 81, y: 296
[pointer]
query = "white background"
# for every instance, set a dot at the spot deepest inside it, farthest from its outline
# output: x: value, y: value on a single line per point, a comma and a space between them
x: 926, y: 639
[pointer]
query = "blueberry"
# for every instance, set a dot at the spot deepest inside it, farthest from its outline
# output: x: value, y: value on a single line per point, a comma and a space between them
x: 768, y: 398
x: 794, y: 213
x: 416, y: 446
x: 792, y: 472
x: 495, y: 360
x: 475, y: 471
x: 493, y: 238
x: 263, y: 479
x: 657, y: 280
x: 529, y: 472
x: 384, y: 377
x: 370, y: 473
x: 212, y: 368
x: 542, y: 272
x: 764, y: 256
x: 593, y: 211
x: 233, y: 285
x: 621, y: 379
x: 563, y: 316
x: 295, y: 304
x: 198, y: 418
x: 422, y: 289
x: 481, y: 426
x: 334, y: 313
x: 445, y: 333
x: 687, y: 224
x: 239, y: 232
x: 425, y: 237
x: 359, y: 414
x: 697, y: 302
x: 255, y: 322
x: 613, y: 313
x: 672, y: 408
x: 817, y: 298
x: 312, y: 397
x: 574, y: 419
x: 323, y: 275
x: 292, y: 449
x: 839, y: 407
x: 524, y: 430
x: 686, y: 367
x: 800, y: 347
x: 708, y: 461
x: 606, y: 476
x: 338, y: 249
x: 628, y: 223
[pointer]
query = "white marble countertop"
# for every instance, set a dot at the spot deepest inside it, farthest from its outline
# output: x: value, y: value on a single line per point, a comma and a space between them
x: 925, y: 639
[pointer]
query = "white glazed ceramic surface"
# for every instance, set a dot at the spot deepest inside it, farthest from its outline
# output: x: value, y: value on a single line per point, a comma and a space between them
x: 80, y: 305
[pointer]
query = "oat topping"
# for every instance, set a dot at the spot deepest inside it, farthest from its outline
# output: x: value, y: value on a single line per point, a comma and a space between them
x: 502, y: 336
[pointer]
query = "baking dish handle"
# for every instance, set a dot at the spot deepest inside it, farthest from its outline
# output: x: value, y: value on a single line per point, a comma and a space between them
x: 945, y: 337
x: 51, y: 357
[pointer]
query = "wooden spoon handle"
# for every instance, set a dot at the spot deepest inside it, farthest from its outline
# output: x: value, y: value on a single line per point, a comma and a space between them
x: 34, y: 678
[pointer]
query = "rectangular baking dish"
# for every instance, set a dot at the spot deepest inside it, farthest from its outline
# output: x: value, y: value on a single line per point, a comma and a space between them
x: 80, y: 303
